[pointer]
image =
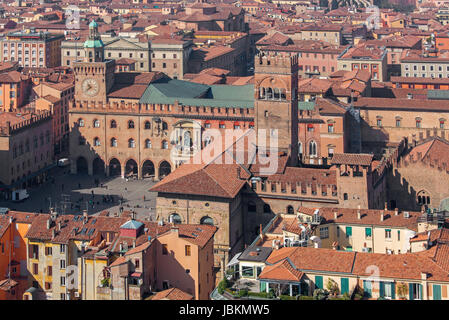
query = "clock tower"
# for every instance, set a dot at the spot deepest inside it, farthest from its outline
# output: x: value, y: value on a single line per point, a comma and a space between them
x: 94, y: 76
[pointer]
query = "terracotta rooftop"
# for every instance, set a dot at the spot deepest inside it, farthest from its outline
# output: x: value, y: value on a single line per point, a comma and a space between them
x: 352, y: 159
x: 172, y: 294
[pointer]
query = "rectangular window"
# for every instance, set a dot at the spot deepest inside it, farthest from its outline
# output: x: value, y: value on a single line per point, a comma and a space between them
x: 348, y: 232
x: 62, y: 248
x: 187, y: 250
x: 387, y: 233
x: 137, y: 263
x: 324, y: 232
x: 399, y: 235
x: 164, y: 249
x: 368, y: 232
x: 398, y: 122
x: 35, y: 268
x: 247, y: 271
x: 50, y: 271
x: 62, y: 264
x: 62, y: 281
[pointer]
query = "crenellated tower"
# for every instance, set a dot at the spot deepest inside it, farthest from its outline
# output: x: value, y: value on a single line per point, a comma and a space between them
x: 276, y: 101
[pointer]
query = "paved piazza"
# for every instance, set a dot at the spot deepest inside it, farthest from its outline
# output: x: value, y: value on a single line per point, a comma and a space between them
x: 70, y: 194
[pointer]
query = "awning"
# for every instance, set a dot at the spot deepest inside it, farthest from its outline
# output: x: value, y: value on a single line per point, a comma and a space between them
x: 136, y: 274
x: 234, y: 260
x: 310, y: 125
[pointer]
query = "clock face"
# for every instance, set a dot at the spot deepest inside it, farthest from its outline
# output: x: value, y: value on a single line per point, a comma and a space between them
x: 90, y: 87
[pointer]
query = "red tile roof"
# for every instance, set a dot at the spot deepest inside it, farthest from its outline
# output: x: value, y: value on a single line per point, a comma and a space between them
x: 172, y: 294
x: 352, y: 159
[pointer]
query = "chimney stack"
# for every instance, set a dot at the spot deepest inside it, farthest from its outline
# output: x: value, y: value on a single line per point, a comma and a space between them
x: 134, y: 243
x: 59, y: 226
x: 48, y: 223
x: 121, y: 247
x: 396, y: 211
x: 381, y: 216
x: 386, y: 207
x: 53, y: 233
x: 359, y: 216
x: 335, y: 215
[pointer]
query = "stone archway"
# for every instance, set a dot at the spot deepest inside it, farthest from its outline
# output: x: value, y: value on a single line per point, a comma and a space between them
x: 131, y: 167
x: 115, y: 168
x: 98, y: 166
x: 81, y: 166
x: 148, y: 169
x: 164, y: 169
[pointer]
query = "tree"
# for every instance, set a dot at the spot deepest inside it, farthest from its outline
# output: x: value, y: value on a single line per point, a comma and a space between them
x: 222, y: 286
x: 320, y: 294
x: 332, y: 286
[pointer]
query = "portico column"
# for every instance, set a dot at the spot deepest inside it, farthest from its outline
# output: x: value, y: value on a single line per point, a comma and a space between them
x: 291, y: 290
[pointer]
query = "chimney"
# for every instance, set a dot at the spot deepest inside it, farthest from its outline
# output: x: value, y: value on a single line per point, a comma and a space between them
x: 335, y: 215
x: 134, y: 243
x: 381, y: 216
x: 396, y: 211
x: 53, y: 233
x: 59, y: 226
x: 48, y: 223
x: 121, y: 247
x: 358, y: 214
x: 386, y: 207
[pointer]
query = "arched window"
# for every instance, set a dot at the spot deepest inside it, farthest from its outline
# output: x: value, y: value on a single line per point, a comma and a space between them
x: 164, y: 125
x: 81, y: 122
x: 423, y: 197
x: 175, y: 218
x: 131, y: 143
x: 269, y: 94
x: 148, y: 144
x: 266, y: 208
x: 96, y: 123
x: 312, y: 149
x: 261, y: 93
x: 130, y: 124
x: 277, y: 94
x: 283, y: 95
x: 96, y: 141
x: 290, y: 210
x: 207, y: 220
x: 164, y: 144
x: 113, y: 142
x: 147, y: 125
x: 113, y: 124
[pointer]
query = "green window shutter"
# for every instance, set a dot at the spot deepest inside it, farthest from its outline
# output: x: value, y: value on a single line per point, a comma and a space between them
x: 410, y: 291
x: 436, y: 292
x: 348, y: 231
x: 393, y: 290
x: 368, y: 232
x: 319, y: 282
x: 263, y: 286
x: 381, y: 289
x: 344, y: 285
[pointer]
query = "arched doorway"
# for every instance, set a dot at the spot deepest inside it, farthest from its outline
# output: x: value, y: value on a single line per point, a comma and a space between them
x: 164, y: 169
x: 207, y: 220
x: 115, y: 168
x: 175, y: 218
x: 81, y: 165
x: 147, y: 169
x: 98, y: 166
x: 131, y: 167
